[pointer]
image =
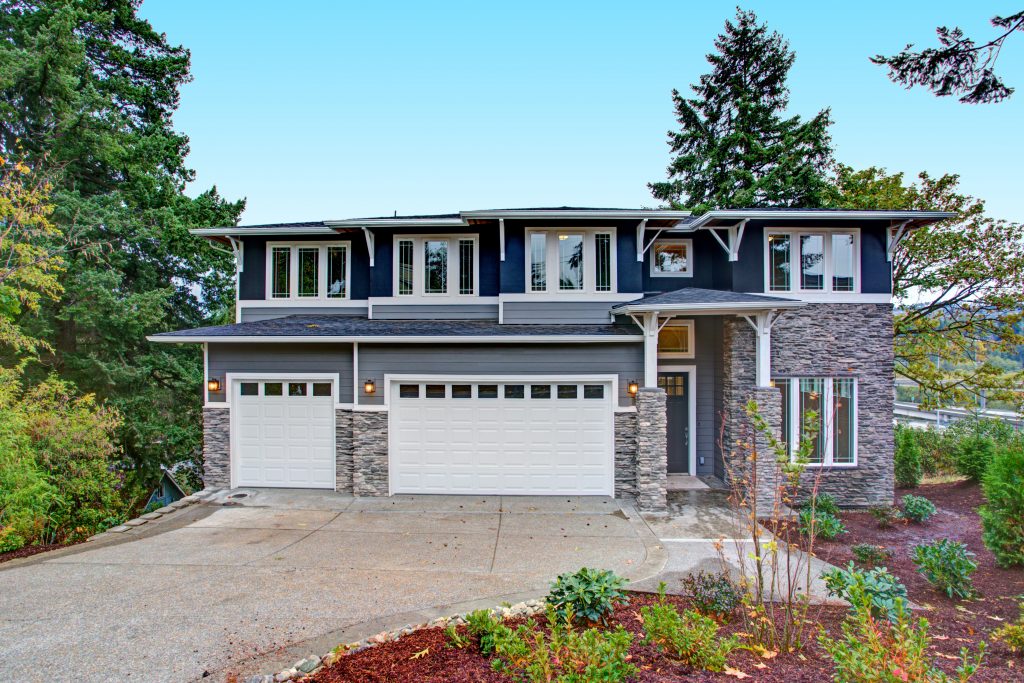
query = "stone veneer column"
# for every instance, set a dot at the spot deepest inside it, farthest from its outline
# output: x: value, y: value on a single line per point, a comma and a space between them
x: 216, y: 448
x: 625, y: 455
x: 651, y: 450
x: 769, y: 406
x: 370, y: 453
x: 343, y: 450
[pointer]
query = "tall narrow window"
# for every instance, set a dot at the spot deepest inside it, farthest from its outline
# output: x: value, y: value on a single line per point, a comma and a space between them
x: 435, y: 267
x: 466, y: 267
x: 842, y: 421
x: 843, y: 266
x: 570, y: 262
x: 281, y: 270
x: 812, y: 262
x: 405, y: 268
x: 309, y: 270
x: 337, y: 285
x: 778, y: 256
x: 811, y: 390
x: 603, y: 258
x: 538, y: 262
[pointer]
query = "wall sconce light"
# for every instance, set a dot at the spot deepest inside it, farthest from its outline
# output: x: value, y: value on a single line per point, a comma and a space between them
x: 633, y: 387
x: 213, y: 384
x: 369, y: 386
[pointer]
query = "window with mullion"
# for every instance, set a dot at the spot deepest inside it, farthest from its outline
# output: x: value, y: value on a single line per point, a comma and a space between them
x: 467, y: 267
x: 833, y: 400
x: 603, y: 262
x: 405, y: 267
x: 538, y: 262
x: 309, y: 271
x: 281, y: 268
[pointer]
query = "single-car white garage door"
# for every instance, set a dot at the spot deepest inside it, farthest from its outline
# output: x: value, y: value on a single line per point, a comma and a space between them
x: 284, y: 434
x: 523, y: 437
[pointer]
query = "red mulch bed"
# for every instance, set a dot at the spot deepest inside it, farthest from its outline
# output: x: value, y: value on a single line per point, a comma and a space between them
x: 30, y: 550
x: 954, y: 624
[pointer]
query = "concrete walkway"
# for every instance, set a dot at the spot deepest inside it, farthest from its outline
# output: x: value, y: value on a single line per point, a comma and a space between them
x: 250, y: 583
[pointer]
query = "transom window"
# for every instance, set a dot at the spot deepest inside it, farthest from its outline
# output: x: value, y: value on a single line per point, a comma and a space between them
x: 283, y: 388
x: 672, y: 258
x: 834, y: 402
x: 308, y: 270
x: 511, y: 391
x: 812, y: 261
x: 560, y: 261
x: 675, y: 340
x: 436, y: 265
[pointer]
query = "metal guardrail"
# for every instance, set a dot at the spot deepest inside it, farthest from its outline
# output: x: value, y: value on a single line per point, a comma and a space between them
x: 914, y: 415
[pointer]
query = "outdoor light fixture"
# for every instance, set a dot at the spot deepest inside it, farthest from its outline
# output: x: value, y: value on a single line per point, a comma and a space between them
x: 633, y: 387
x: 213, y: 384
x: 369, y: 386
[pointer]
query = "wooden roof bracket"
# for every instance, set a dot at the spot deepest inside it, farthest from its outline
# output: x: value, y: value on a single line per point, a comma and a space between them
x: 735, y: 235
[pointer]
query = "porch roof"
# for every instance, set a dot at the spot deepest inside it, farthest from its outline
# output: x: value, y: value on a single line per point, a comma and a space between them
x: 700, y: 301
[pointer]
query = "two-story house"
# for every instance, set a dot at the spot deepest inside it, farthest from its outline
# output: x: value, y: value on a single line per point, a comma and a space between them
x: 551, y: 351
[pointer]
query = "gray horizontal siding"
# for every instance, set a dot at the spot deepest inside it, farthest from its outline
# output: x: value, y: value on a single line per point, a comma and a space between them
x: 707, y: 352
x: 253, y: 314
x: 275, y: 358
x: 435, y: 311
x: 547, y: 312
x: 376, y: 360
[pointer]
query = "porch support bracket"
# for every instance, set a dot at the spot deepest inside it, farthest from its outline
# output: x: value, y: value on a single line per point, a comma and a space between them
x: 640, y: 240
x: 369, y: 243
x: 650, y: 325
x: 762, y: 322
x: 236, y: 249
x: 893, y: 237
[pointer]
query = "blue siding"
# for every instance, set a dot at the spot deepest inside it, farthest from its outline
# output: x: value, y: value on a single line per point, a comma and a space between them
x: 513, y: 268
x: 252, y: 284
x: 629, y: 270
x: 710, y: 267
x: 875, y: 268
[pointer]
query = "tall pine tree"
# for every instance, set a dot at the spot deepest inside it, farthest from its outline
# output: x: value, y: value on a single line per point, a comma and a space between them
x: 735, y: 146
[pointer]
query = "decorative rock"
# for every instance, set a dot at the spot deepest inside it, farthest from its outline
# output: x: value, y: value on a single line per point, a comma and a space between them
x: 164, y: 510
x: 152, y: 515
x: 178, y: 504
x: 308, y: 664
x: 187, y: 499
x: 138, y: 521
x: 119, y: 529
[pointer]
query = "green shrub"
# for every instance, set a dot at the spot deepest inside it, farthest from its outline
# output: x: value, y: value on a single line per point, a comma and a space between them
x: 713, y: 595
x: 972, y: 456
x: 886, y: 515
x: 872, y: 651
x: 1012, y: 635
x: 907, y: 459
x: 690, y: 637
x: 1002, y: 515
x: 883, y: 592
x: 869, y: 554
x: 936, y: 452
x: 484, y: 626
x: 948, y: 566
x: 820, y: 524
x: 589, y: 594
x: 824, y: 503
x: 916, y: 508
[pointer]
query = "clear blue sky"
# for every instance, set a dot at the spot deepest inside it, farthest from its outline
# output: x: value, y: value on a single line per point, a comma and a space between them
x: 320, y: 110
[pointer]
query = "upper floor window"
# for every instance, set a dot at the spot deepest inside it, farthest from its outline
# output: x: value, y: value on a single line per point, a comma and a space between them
x: 436, y: 265
x: 565, y: 261
x: 308, y: 270
x: 672, y: 258
x: 812, y: 261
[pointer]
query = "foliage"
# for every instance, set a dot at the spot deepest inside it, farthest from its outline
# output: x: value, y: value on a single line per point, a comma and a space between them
x: 589, y: 594
x: 483, y: 625
x: 454, y: 638
x: 896, y: 651
x: 973, y: 454
x: 691, y: 637
x: 820, y: 524
x: 1002, y: 515
x: 735, y: 146
x: 958, y: 285
x: 959, y: 67
x: 870, y: 554
x: 881, y: 591
x: 823, y: 502
x: 563, y: 655
x: 1012, y: 635
x: 917, y: 509
x: 948, y: 566
x: 713, y: 595
x: 936, y: 454
x: 885, y: 515
x: 907, y: 458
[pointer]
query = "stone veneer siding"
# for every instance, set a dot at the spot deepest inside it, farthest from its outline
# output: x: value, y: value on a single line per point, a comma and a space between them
x: 216, y: 448
x: 651, y: 450
x: 370, y: 453
x: 625, y: 455
x: 343, y: 450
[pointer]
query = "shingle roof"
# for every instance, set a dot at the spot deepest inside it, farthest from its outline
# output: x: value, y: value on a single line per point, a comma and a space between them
x: 313, y: 326
x: 696, y: 296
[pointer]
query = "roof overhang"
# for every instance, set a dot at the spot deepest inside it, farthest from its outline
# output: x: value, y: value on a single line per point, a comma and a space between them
x: 397, y: 223
x: 243, y: 231
x: 724, y: 217
x: 393, y: 339
x: 714, y: 308
x: 666, y: 215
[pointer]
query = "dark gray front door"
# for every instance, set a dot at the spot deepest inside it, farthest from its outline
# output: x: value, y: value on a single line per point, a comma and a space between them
x: 677, y: 407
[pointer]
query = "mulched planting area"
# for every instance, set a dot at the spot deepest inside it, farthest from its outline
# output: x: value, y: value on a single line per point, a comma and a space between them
x: 29, y: 550
x: 424, y: 655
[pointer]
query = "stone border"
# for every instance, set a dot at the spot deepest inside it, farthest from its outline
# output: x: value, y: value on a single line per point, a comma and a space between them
x: 197, y: 497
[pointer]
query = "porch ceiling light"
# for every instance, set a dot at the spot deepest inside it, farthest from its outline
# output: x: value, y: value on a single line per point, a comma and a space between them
x: 369, y: 386
x: 633, y: 387
x: 213, y: 384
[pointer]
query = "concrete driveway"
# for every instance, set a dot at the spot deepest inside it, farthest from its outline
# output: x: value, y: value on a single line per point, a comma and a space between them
x: 254, y: 585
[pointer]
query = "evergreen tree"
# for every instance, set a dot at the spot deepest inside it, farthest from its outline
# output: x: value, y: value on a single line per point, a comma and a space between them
x: 736, y: 147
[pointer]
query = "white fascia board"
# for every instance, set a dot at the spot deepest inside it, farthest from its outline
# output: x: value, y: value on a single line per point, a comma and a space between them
x: 243, y: 231
x: 816, y: 214
x: 569, y: 297
x: 709, y: 308
x: 655, y: 214
x: 398, y: 223
x: 460, y: 339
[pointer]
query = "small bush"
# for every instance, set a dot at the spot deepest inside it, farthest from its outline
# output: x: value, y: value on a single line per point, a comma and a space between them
x: 948, y: 566
x: 917, y: 509
x: 1002, y: 515
x: 907, y: 460
x: 820, y: 524
x: 484, y: 626
x: 691, y: 637
x: 886, y: 515
x: 454, y: 638
x: 869, y: 554
x: 589, y: 594
x: 972, y: 456
x: 712, y: 595
x: 872, y: 651
x: 1012, y: 635
x: 882, y: 591
x: 936, y: 454
x: 823, y: 503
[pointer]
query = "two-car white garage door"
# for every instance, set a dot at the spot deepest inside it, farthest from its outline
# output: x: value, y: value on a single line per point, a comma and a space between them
x: 525, y: 436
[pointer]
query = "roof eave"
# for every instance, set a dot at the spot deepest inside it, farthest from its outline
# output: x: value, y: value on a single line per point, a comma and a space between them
x: 411, y: 339
x: 397, y: 223
x: 259, y: 230
x: 920, y: 217
x: 717, y: 308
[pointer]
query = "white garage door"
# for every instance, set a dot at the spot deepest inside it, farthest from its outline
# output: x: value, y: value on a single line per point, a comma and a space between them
x: 284, y: 434
x: 526, y: 437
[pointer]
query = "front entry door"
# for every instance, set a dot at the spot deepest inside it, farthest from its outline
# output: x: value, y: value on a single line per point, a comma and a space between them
x: 677, y: 407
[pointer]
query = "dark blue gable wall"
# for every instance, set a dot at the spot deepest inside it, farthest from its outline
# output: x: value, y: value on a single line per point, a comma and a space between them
x: 513, y: 268
x: 252, y: 283
x: 710, y: 267
x: 875, y: 268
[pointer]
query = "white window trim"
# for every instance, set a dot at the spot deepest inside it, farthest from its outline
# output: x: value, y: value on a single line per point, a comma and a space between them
x: 794, y: 260
x: 589, y: 261
x: 293, y: 279
x: 827, y: 399
x: 688, y: 325
x: 418, y: 271
x: 689, y: 258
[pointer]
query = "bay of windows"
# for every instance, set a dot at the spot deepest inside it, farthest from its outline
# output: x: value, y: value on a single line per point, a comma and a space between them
x: 809, y: 261
x: 833, y: 402
x: 436, y: 265
x: 308, y: 271
x: 570, y: 261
